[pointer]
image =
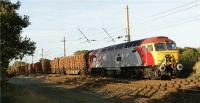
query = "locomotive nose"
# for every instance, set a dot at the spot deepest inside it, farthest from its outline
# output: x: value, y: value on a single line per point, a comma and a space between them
x: 170, y: 56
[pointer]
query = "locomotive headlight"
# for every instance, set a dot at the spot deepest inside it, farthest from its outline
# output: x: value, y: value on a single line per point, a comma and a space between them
x: 162, y: 68
x: 179, y: 66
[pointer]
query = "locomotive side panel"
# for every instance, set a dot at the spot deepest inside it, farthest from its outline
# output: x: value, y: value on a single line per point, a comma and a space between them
x: 116, y: 59
x: 130, y: 58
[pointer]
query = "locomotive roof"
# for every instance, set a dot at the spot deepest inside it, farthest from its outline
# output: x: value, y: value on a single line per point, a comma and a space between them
x: 135, y: 43
x: 157, y: 40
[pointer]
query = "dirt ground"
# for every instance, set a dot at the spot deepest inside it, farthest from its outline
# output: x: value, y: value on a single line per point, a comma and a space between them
x: 26, y: 89
x: 118, y: 90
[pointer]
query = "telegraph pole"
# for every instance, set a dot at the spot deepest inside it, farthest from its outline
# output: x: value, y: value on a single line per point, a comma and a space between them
x: 128, y: 25
x: 64, y: 47
x: 42, y: 60
x: 42, y: 56
x: 32, y: 58
x: 32, y: 65
x: 42, y: 53
x: 21, y: 62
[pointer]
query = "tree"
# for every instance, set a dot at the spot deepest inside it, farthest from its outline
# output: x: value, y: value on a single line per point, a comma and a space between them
x: 189, y: 57
x: 13, y: 45
x: 80, y: 52
x: 44, y: 60
x: 180, y: 50
x: 198, y: 53
x: 18, y: 63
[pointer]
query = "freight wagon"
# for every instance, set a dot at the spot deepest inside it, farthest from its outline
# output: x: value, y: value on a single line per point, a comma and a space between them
x: 38, y: 67
x: 70, y: 64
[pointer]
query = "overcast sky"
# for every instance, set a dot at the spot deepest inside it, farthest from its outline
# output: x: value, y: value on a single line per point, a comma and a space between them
x: 51, y: 20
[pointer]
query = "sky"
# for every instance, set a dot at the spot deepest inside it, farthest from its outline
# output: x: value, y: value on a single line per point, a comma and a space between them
x: 52, y: 20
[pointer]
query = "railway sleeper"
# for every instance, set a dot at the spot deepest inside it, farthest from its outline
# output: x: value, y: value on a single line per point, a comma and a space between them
x: 151, y: 92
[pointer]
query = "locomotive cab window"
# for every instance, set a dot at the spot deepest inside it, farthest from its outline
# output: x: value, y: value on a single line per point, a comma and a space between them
x: 171, y: 46
x: 150, y: 47
x: 160, y: 46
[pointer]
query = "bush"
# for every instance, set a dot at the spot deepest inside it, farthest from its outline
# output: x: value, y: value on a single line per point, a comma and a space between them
x: 189, y: 56
x: 4, y: 73
x: 198, y: 53
x: 196, y: 68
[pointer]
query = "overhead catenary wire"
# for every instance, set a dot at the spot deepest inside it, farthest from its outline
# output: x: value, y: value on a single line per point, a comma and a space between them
x: 87, y: 40
x: 108, y: 34
x: 170, y: 12
x: 190, y: 20
x: 179, y: 22
x: 115, y: 33
x: 196, y: 18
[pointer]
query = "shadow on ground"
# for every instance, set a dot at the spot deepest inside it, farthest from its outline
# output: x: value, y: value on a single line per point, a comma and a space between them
x: 191, y: 95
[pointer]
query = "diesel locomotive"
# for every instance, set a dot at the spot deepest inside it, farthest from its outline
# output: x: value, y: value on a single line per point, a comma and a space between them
x: 154, y: 57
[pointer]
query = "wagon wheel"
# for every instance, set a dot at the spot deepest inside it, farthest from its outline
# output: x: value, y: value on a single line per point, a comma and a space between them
x: 57, y: 71
x: 53, y: 71
x: 63, y: 71
x: 82, y: 72
x: 123, y: 73
x: 103, y: 72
